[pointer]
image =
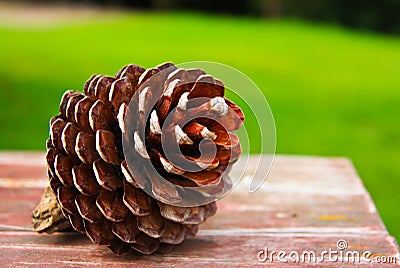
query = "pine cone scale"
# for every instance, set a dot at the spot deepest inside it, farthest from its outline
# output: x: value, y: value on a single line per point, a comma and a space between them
x: 88, y: 209
x: 127, y: 230
x: 111, y: 205
x: 85, y: 180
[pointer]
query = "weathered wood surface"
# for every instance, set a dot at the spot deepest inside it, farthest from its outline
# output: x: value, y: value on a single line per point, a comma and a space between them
x: 306, y: 204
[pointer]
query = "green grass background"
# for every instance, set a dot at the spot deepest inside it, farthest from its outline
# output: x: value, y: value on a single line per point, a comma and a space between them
x: 333, y: 92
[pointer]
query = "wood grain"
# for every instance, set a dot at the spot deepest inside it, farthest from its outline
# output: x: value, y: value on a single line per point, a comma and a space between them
x: 306, y: 204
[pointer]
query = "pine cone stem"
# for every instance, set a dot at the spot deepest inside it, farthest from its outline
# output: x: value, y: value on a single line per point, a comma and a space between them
x: 47, y: 216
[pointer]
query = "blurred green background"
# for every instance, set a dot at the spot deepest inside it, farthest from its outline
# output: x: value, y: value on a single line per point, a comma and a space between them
x: 333, y: 91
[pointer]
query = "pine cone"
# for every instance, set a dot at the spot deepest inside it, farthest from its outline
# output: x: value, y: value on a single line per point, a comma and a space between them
x: 138, y: 160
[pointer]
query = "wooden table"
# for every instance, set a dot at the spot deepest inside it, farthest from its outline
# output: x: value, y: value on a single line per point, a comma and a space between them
x: 306, y: 205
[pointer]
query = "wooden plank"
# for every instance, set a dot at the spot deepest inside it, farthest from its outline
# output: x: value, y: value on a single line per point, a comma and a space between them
x: 70, y: 248
x: 307, y: 203
x: 238, y: 211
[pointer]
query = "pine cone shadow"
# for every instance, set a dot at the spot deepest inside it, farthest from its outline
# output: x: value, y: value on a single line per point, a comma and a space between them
x: 193, y: 247
x: 68, y: 238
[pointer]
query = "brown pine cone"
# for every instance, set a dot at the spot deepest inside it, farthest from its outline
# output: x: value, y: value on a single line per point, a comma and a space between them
x: 138, y: 160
